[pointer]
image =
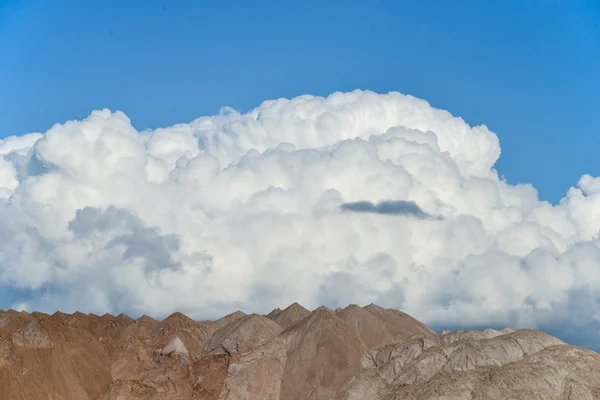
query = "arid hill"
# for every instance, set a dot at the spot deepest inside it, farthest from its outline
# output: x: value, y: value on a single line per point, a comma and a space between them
x: 289, y: 354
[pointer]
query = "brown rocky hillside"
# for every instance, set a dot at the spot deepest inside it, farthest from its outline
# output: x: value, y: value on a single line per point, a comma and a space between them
x: 291, y: 354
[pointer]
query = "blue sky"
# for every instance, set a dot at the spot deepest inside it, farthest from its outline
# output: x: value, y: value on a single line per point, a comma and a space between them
x: 528, y: 70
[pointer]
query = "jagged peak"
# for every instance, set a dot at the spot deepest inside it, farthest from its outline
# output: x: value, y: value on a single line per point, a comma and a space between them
x: 295, y: 308
x: 176, y: 314
x: 489, y: 332
x: 273, y: 313
x: 320, y: 314
x: 295, y: 305
x: 107, y: 317
x: 59, y: 314
x: 290, y: 315
x: 370, y: 329
x: 373, y: 306
x: 322, y: 348
x: 39, y: 315
x: 236, y: 337
x: 353, y: 311
x: 146, y: 319
x: 323, y: 309
x: 124, y: 319
x: 351, y: 307
x: 177, y: 317
x: 230, y: 318
x: 238, y: 313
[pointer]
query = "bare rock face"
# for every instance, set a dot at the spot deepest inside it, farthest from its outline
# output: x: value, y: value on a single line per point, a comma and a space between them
x: 478, y: 365
x: 50, y: 357
x: 255, y: 356
x: 399, y: 323
x: 194, y: 335
x: 32, y: 336
x: 274, y: 312
x: 131, y: 354
x: 175, y: 346
x: 365, y: 353
x: 243, y: 334
x: 289, y: 316
x: 322, y: 353
x: 256, y: 374
x: 229, y: 318
x: 365, y: 325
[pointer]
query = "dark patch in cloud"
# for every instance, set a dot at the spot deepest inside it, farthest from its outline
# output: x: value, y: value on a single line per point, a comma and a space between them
x: 92, y: 219
x: 27, y: 165
x: 396, y: 207
x: 130, y: 231
x: 147, y: 244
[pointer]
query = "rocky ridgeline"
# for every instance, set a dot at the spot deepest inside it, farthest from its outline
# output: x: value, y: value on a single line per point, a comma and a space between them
x: 353, y: 353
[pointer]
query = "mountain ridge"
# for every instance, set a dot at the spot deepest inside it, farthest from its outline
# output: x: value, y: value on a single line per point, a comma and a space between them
x: 292, y: 353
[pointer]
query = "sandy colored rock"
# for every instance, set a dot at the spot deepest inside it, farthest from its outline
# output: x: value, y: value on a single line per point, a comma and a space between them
x: 256, y: 374
x: 478, y: 365
x: 243, y: 335
x: 273, y: 312
x: 322, y: 353
x: 365, y: 325
x: 399, y: 323
x: 194, y: 335
x: 355, y: 353
x: 229, y: 318
x: 175, y: 346
x: 51, y: 358
x: 146, y: 320
x: 290, y: 315
x: 32, y: 336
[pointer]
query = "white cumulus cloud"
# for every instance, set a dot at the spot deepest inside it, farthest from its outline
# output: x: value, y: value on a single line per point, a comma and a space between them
x: 357, y: 197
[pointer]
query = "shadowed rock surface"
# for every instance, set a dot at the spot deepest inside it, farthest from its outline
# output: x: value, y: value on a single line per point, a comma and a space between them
x: 291, y: 354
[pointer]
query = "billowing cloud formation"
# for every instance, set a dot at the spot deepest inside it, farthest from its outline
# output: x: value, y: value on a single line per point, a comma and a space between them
x: 244, y: 211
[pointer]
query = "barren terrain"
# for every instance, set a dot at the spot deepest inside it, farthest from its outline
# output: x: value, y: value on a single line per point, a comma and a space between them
x: 291, y: 354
